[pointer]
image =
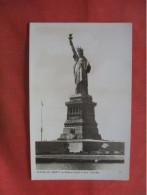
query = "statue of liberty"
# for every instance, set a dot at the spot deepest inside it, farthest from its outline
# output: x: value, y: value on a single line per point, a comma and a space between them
x: 81, y: 69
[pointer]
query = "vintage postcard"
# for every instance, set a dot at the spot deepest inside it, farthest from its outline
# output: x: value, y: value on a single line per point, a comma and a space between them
x: 80, y: 100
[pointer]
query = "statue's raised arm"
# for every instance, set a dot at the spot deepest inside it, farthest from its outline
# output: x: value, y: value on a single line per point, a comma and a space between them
x: 75, y: 55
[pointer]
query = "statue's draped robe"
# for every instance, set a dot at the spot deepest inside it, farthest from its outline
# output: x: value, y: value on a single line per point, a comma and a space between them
x: 80, y: 74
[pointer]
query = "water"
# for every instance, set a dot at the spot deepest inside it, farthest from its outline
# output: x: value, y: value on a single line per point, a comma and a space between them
x: 79, y: 166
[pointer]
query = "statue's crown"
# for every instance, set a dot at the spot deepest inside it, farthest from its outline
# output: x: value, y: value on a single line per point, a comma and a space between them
x: 79, y: 49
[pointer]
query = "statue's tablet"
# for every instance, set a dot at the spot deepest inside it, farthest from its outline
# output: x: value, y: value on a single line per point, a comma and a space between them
x: 80, y: 100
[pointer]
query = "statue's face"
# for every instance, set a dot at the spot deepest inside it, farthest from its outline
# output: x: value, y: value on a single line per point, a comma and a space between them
x: 80, y: 53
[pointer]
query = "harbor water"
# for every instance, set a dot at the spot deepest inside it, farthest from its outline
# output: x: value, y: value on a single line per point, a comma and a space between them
x: 79, y: 166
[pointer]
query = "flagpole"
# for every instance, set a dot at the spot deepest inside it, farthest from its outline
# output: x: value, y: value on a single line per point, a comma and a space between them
x: 41, y: 123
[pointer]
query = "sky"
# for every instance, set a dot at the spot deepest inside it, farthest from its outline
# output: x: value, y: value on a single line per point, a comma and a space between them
x: 108, y: 48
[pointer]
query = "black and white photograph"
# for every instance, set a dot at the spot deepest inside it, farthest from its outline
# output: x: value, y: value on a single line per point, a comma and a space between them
x: 80, y: 78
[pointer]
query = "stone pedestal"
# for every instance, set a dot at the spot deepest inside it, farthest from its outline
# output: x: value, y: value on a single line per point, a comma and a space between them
x: 80, y: 122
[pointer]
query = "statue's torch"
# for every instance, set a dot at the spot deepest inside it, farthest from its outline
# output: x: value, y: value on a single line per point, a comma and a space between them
x: 70, y: 37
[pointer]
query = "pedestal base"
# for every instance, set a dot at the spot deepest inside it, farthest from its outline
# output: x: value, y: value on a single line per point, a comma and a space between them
x: 83, y: 146
x: 80, y: 122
